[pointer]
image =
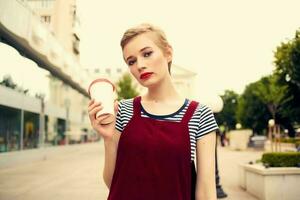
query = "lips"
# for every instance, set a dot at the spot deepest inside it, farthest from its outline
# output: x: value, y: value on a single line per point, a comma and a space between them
x: 145, y: 75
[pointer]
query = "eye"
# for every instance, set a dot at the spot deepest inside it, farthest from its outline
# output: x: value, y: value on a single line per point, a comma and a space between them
x: 147, y: 54
x: 131, y: 62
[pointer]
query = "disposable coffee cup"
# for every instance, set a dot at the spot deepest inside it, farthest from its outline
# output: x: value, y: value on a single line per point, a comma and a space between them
x: 102, y: 90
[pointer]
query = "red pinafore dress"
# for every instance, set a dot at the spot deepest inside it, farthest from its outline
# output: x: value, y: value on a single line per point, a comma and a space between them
x: 154, y: 159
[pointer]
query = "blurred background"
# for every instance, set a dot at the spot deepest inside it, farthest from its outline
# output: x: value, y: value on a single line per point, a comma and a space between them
x: 240, y: 58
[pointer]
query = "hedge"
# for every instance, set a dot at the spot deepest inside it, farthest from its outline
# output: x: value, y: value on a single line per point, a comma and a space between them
x: 281, y: 159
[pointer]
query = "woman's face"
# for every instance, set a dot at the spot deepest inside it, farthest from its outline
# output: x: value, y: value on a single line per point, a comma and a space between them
x: 146, y: 61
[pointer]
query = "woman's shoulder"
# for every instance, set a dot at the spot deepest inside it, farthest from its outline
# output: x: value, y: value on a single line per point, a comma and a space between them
x: 126, y: 103
x: 201, y: 107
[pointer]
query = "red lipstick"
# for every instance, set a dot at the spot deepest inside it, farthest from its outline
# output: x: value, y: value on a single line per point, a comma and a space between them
x: 145, y: 75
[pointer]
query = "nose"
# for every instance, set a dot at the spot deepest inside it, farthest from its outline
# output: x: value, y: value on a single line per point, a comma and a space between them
x: 141, y: 64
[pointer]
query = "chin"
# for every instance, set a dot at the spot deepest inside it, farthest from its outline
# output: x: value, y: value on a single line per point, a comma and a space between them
x: 150, y: 84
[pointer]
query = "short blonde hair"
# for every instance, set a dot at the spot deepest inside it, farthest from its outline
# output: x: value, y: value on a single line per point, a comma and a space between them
x: 161, y: 42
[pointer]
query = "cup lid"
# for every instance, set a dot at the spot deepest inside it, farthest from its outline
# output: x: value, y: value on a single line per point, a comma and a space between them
x: 101, y: 80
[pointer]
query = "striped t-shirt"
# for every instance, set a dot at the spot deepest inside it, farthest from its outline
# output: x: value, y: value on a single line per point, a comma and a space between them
x: 201, y: 123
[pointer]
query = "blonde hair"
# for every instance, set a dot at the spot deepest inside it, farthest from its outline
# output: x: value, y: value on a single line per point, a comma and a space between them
x: 161, y: 41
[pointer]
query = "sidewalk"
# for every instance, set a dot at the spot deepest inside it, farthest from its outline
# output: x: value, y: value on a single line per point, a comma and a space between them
x: 229, y: 171
x: 78, y: 175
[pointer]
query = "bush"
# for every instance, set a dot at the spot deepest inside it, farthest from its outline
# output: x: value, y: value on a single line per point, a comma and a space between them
x: 281, y: 159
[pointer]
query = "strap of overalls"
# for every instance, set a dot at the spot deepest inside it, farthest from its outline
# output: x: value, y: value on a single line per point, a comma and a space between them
x: 190, y: 111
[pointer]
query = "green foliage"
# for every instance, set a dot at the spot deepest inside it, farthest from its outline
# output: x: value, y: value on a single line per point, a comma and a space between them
x: 287, y: 62
x: 7, y: 81
x: 125, y: 88
x: 297, y: 144
x: 275, y: 96
x: 227, y: 116
x: 270, y: 93
x: 281, y: 159
x: 251, y: 111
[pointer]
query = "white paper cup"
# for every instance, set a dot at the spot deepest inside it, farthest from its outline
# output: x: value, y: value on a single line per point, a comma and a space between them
x: 102, y: 90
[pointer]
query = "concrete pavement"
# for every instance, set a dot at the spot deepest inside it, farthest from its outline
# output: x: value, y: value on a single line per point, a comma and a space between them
x: 77, y: 174
x: 229, y: 171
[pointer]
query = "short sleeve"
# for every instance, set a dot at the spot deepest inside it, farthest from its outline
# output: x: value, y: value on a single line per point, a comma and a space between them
x: 124, y: 114
x: 119, y: 125
x: 207, y: 122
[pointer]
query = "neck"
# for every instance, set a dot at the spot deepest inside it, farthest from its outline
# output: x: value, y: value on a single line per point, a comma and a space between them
x: 162, y: 92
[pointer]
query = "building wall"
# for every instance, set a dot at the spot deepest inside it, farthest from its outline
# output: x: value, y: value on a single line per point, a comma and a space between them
x: 64, y: 24
x: 61, y: 18
x: 64, y: 19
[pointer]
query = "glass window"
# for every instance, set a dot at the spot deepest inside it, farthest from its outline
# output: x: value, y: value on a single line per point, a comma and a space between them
x: 61, y: 131
x: 10, y: 125
x: 31, y: 130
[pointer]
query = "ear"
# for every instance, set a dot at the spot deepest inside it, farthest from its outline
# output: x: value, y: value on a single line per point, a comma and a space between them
x: 169, y: 53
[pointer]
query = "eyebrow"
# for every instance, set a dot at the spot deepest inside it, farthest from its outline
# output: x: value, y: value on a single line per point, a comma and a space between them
x: 139, y: 51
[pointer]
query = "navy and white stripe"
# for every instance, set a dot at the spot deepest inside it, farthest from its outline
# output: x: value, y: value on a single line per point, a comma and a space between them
x: 201, y: 123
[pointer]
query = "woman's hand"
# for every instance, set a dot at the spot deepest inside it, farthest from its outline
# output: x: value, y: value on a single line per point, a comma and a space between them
x: 105, y: 130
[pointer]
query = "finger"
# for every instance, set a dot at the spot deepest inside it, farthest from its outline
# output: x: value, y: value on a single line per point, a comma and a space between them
x: 101, y: 118
x: 92, y: 113
x: 94, y: 105
x: 116, y: 106
x: 91, y: 102
x: 95, y: 110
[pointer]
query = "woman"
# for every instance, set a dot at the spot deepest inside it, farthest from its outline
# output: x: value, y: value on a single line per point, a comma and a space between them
x: 151, y: 147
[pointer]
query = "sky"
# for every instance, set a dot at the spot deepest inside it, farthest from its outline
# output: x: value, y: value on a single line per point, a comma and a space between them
x: 228, y: 43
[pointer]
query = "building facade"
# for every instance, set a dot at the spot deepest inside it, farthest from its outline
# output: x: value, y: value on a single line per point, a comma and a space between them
x: 60, y: 16
x: 47, y: 32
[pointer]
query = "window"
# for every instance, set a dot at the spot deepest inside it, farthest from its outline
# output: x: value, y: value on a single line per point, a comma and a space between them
x: 119, y: 70
x: 107, y: 71
x: 10, y: 132
x: 46, y: 19
x: 76, y: 41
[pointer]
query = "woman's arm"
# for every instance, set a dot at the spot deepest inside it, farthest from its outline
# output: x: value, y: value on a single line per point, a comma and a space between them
x: 111, y: 147
x: 206, y: 182
x: 111, y: 137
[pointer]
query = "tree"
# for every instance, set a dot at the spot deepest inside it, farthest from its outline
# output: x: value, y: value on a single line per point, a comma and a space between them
x: 251, y: 111
x: 261, y: 101
x: 270, y: 93
x: 227, y: 116
x: 287, y: 62
x: 125, y: 88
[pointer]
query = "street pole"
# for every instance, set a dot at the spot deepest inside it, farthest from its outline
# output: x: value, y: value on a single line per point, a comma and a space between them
x: 42, y: 121
x: 220, y: 191
x: 67, y: 104
x: 22, y: 130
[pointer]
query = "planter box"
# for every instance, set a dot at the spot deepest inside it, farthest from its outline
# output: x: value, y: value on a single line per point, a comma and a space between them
x: 274, y: 183
x: 239, y: 139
